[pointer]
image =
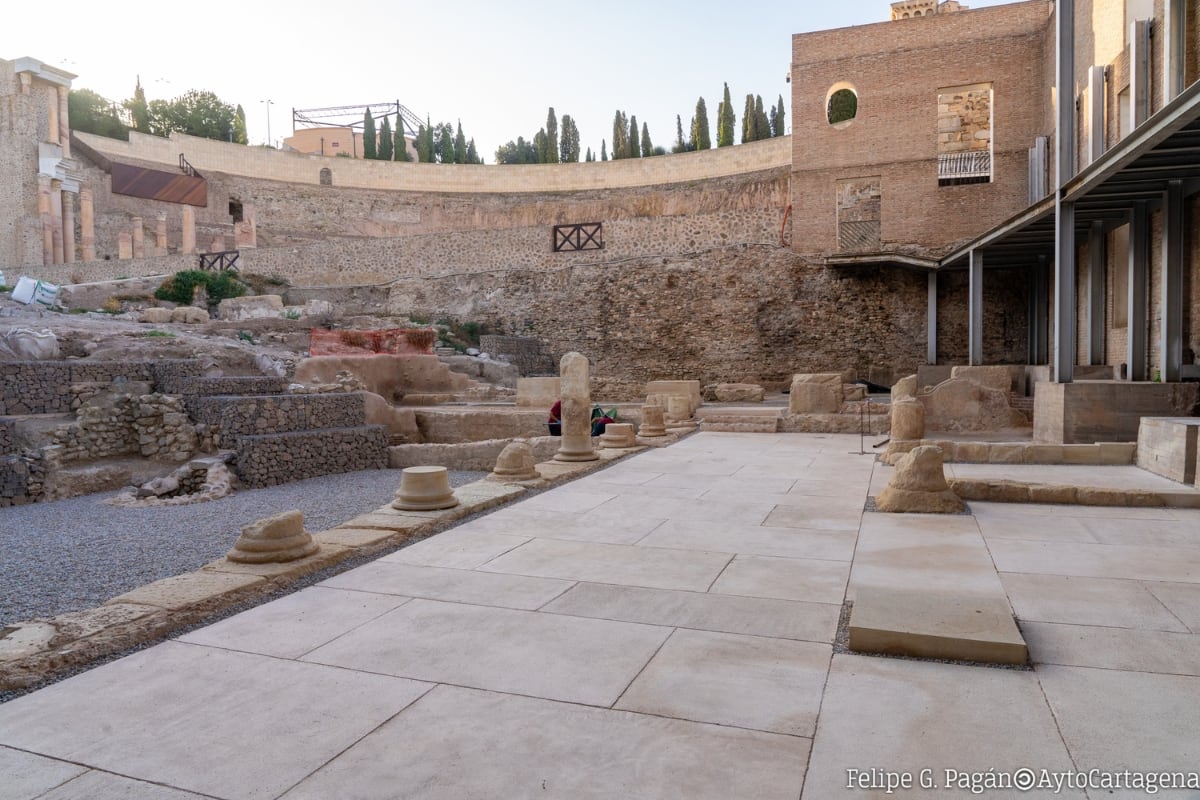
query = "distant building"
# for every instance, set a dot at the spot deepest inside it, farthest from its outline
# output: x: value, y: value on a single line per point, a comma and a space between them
x: 907, y: 9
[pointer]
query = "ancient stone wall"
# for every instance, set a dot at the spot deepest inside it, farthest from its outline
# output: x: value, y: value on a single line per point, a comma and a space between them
x: 22, y: 479
x: 527, y: 354
x: 23, y: 123
x: 7, y: 444
x: 47, y: 387
x: 152, y: 426
x: 232, y: 385
x: 263, y: 414
x: 272, y: 459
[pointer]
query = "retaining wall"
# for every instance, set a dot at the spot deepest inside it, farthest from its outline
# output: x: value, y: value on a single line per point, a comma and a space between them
x: 277, y: 458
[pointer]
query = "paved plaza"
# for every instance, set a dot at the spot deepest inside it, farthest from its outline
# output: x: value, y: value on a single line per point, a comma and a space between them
x: 665, y: 628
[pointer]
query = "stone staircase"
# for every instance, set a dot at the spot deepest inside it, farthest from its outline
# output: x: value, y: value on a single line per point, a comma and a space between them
x: 739, y: 419
x: 278, y: 437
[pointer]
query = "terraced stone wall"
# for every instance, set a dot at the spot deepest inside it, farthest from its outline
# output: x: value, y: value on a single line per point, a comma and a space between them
x: 272, y: 459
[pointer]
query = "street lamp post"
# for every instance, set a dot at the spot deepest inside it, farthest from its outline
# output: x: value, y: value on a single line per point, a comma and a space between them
x: 268, y: 102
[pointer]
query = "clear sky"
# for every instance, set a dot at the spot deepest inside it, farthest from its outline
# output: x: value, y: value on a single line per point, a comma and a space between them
x: 498, y: 67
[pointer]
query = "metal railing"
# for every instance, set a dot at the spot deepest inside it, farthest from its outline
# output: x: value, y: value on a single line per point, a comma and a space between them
x: 973, y: 166
x: 224, y: 260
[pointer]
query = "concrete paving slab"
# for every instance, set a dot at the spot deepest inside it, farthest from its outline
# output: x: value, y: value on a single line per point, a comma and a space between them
x: 805, y: 579
x: 753, y: 540
x: 771, y: 685
x: 522, y: 652
x: 190, y: 589
x: 651, y: 567
x: 144, y: 716
x: 816, y: 516
x: 353, y: 537
x: 1114, y: 719
x: 1097, y: 560
x: 1153, y: 533
x: 930, y: 624
x: 453, y: 585
x: 461, y: 743
x: 295, y: 624
x: 569, y: 499
x: 1088, y: 601
x: 781, y: 619
x: 1181, y: 599
x: 621, y: 529
x: 907, y: 716
x: 463, y: 547
x: 28, y: 776
x: 94, y: 785
x: 1160, y: 652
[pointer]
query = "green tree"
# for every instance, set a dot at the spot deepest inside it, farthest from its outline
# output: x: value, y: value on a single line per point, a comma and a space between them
x: 195, y: 113
x: 445, y: 143
x: 647, y: 147
x: 749, y: 121
x: 761, y: 123
x: 635, y: 145
x: 539, y: 145
x: 518, y: 152
x: 460, y: 145
x: 725, y: 121
x: 700, y: 135
x: 843, y: 105
x: 370, y: 138
x: 589, y: 157
x: 91, y: 113
x: 399, y: 143
x: 139, y: 110
x: 568, y: 141
x: 472, y: 153
x: 603, y: 152
x: 620, y: 145
x: 386, y: 144
x: 680, y: 145
x: 779, y: 120
x: 239, y: 126
x: 550, y: 154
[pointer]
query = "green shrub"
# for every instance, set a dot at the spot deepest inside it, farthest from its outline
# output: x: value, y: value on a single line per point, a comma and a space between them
x: 181, y: 287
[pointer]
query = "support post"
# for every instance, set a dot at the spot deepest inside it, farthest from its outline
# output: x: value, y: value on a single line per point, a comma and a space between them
x: 1039, y: 322
x: 1174, y: 42
x: 68, y: 214
x: 1095, y: 293
x: 1064, y: 211
x: 1139, y: 258
x: 931, y: 305
x: 87, y: 223
x: 1171, y: 330
x: 975, y: 309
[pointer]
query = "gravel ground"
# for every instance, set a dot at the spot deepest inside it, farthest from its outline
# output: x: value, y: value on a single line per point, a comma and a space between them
x: 74, y: 554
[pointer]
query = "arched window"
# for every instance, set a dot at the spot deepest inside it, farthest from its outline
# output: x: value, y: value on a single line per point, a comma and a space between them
x: 841, y: 104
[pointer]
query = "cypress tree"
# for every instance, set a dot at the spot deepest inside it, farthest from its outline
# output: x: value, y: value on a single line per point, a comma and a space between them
x: 761, y: 124
x: 780, y: 126
x: 369, y: 141
x: 460, y: 146
x: 399, y: 143
x: 539, y: 146
x: 239, y: 126
x: 603, y: 152
x: 620, y: 148
x: 647, y: 147
x: 589, y: 156
x: 550, y: 154
x: 700, y: 136
x: 385, y: 140
x: 568, y: 147
x: 680, y: 145
x: 749, y: 134
x: 635, y: 147
x: 725, y: 121
x: 472, y: 153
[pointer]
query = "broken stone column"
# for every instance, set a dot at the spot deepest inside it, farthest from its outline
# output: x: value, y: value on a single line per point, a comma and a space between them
x: 919, y: 486
x: 124, y: 245
x: 904, y: 388
x: 64, y: 122
x: 187, y: 244
x: 679, y: 414
x: 424, y: 489
x: 653, y: 423
x: 576, y: 410
x: 274, y: 539
x: 68, y: 215
x: 46, y: 219
x: 56, y: 217
x: 618, y: 435
x: 139, y: 238
x: 87, y: 223
x: 908, y: 420
x: 516, y: 463
x: 160, y: 235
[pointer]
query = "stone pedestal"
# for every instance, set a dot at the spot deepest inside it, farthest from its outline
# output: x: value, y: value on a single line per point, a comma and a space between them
x: 653, y: 423
x: 516, y: 463
x: 274, y: 539
x: 908, y: 420
x: 576, y: 410
x: 679, y: 414
x: 424, y: 489
x: 87, y: 223
x: 919, y: 486
x: 618, y: 435
x: 139, y: 238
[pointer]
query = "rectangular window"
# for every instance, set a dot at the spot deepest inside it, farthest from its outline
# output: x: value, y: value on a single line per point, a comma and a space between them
x: 964, y: 131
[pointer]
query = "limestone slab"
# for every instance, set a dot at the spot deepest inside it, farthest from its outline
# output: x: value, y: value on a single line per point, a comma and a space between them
x: 907, y: 716
x: 804, y: 579
x: 1181, y: 599
x: 932, y: 624
x: 523, y: 747
x: 527, y: 522
x: 454, y: 585
x: 771, y: 685
x: 923, y: 551
x: 353, y: 537
x: 295, y: 624
x: 1097, y: 560
x: 27, y: 776
x: 651, y: 567
x: 459, y: 548
x: 1154, y: 533
x: 815, y: 516
x: 1051, y: 529
x: 753, y: 540
x: 191, y: 589
x: 112, y: 718
x: 1113, y: 648
x: 568, y: 499
x: 523, y: 652
x: 755, y: 616
x: 323, y: 557
x: 393, y: 523
x: 93, y: 785
x: 1144, y: 719
x: 1088, y: 601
